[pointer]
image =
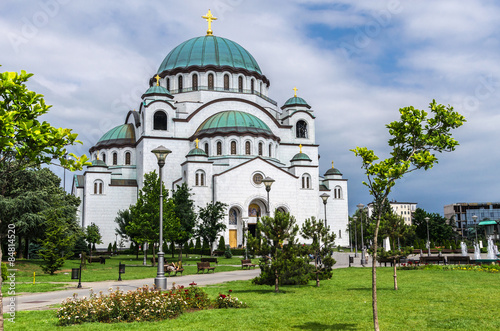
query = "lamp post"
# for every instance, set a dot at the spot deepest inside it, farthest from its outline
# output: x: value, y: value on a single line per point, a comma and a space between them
x: 428, y: 240
x: 355, y: 218
x: 268, y: 181
x: 350, y: 237
x: 245, y: 228
x: 161, y: 154
x: 475, y: 225
x: 363, y: 261
x: 325, y: 197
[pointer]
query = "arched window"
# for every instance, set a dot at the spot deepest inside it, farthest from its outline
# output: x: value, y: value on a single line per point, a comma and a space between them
x: 98, y: 185
x: 103, y: 157
x: 240, y: 84
x: 247, y: 148
x: 179, y: 83
x: 168, y: 84
x: 219, y: 148
x: 206, y: 148
x: 252, y: 86
x: 160, y: 121
x: 210, y: 82
x: 233, y: 147
x: 270, y: 150
x: 261, y: 88
x: 301, y: 129
x: 233, y: 216
x: 115, y: 158
x: 199, y: 179
x: 195, y: 82
x: 306, y: 181
x: 260, y: 149
x: 127, y: 158
x: 337, y: 192
x: 226, y: 82
x: 282, y: 210
x: 340, y: 234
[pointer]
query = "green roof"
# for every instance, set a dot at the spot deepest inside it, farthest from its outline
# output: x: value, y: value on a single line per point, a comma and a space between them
x: 122, y: 135
x: 488, y: 222
x: 197, y: 152
x: 233, y: 122
x: 98, y: 163
x: 157, y: 90
x: 209, y: 50
x: 296, y: 101
x: 301, y: 157
x: 333, y: 171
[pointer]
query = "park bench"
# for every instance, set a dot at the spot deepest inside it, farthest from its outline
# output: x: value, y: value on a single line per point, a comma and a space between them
x: 91, y: 259
x: 432, y: 259
x: 218, y: 253
x: 458, y: 260
x: 210, y: 259
x: 247, y: 264
x: 384, y: 261
x: 204, y: 266
x: 168, y: 270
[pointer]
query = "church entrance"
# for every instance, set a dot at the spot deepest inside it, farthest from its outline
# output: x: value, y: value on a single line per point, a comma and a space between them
x: 233, y: 238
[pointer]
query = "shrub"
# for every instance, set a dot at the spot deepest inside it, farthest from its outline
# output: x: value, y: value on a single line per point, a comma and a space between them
x: 222, y: 244
x: 227, y: 301
x: 110, y: 248
x: 228, y: 253
x: 4, y: 271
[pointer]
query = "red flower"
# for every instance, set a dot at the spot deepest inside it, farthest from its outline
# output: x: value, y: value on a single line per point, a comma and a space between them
x: 222, y: 296
x: 182, y: 286
x: 230, y: 291
x: 193, y: 284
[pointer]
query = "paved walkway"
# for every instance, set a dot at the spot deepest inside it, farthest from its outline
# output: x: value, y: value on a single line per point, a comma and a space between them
x: 39, y: 301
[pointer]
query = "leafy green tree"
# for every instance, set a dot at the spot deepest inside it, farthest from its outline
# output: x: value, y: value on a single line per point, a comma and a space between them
x: 123, y: 219
x: 184, y: 212
x: 211, y: 223
x: 25, y: 141
x: 93, y: 236
x: 440, y: 229
x: 414, y: 137
x: 222, y: 244
x: 321, y: 247
x: 282, y: 262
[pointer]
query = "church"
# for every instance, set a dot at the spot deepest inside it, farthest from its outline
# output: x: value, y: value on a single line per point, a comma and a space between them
x: 209, y: 104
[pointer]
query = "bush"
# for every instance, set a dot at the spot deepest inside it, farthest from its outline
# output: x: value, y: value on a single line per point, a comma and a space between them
x: 222, y: 244
x: 228, y: 253
x: 4, y: 271
x: 110, y: 247
x: 227, y: 301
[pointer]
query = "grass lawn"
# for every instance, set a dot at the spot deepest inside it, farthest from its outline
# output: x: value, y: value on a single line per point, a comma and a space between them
x: 427, y: 300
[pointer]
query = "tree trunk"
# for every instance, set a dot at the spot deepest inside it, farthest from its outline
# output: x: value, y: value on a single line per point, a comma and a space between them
x: 180, y: 252
x: 172, y: 246
x: 395, y: 276
x: 136, y: 250
x: 316, y: 267
x: 154, y: 260
x: 20, y: 254
x: 276, y: 281
x: 374, y: 277
x: 27, y: 247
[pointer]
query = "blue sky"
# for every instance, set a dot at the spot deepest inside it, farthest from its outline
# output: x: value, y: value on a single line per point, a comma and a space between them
x: 355, y: 62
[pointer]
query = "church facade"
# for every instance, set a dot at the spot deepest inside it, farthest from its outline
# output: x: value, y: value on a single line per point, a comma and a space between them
x: 209, y: 104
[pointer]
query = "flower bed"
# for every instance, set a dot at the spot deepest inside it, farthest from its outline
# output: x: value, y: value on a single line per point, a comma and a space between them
x: 143, y: 304
x: 492, y: 268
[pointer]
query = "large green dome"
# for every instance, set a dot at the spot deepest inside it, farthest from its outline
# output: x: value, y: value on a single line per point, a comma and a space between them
x: 209, y: 50
x: 233, y: 122
x: 120, y: 136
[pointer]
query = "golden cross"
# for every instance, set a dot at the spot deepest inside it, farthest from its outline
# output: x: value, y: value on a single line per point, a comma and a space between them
x: 332, y: 164
x: 98, y: 154
x: 157, y: 80
x: 300, y: 146
x: 197, y: 141
x: 209, y: 17
x: 294, y: 92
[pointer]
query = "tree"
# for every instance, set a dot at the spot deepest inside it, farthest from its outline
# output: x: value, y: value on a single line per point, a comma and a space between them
x: 211, y: 222
x: 321, y: 247
x: 440, y: 230
x: 93, y: 236
x: 282, y: 261
x: 414, y: 137
x: 24, y: 140
x: 123, y: 219
x: 184, y: 212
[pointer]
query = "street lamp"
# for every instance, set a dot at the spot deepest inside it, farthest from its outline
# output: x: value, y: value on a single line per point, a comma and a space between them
x: 268, y: 181
x: 161, y: 154
x: 245, y: 228
x: 363, y: 261
x: 428, y: 240
x: 350, y: 236
x: 355, y: 218
x: 475, y: 225
x: 325, y: 197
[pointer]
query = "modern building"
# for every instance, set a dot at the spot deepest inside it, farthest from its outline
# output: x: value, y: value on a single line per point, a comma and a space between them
x: 488, y: 214
x: 209, y: 104
x: 403, y: 209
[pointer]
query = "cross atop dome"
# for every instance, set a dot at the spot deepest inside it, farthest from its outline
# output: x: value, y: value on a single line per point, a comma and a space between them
x: 209, y: 17
x: 295, y: 92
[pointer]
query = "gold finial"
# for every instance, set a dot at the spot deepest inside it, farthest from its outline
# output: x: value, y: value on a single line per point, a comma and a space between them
x: 332, y: 164
x: 197, y: 141
x: 209, y: 17
x: 97, y: 154
x: 300, y: 147
x: 157, y: 80
x: 295, y: 91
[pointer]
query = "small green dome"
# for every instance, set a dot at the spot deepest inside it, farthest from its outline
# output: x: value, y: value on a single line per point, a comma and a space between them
x: 209, y: 50
x: 333, y: 171
x: 197, y: 152
x: 157, y: 91
x: 233, y: 122
x: 120, y: 136
x: 98, y: 163
x: 300, y: 157
x: 295, y: 101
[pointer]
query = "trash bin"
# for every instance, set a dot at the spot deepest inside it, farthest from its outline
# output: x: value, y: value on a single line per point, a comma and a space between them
x: 75, y: 273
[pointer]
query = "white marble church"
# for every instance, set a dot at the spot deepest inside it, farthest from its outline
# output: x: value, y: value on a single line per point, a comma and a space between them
x: 209, y: 104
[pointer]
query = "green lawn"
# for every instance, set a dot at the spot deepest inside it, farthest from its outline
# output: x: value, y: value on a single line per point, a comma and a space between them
x: 427, y: 300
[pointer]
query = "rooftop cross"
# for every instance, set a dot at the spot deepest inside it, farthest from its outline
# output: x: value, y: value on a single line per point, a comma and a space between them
x: 300, y: 146
x: 197, y: 141
x: 332, y: 164
x: 157, y: 80
x: 295, y: 91
x: 209, y: 17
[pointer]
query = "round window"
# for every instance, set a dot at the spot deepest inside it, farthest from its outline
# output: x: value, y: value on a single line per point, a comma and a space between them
x: 257, y: 179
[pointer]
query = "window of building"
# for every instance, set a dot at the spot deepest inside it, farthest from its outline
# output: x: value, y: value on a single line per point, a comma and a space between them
x: 306, y: 181
x: 168, y: 84
x: 233, y: 147
x: 127, y: 158
x: 210, y: 81
x: 160, y: 121
x: 337, y: 192
x: 270, y: 150
x: 206, y: 148
x: 261, y: 88
x: 340, y: 234
x: 247, y: 148
x: 115, y: 158
x: 240, y: 84
x: 226, y: 82
x: 195, y: 82
x: 103, y: 157
x: 252, y: 86
x: 98, y: 186
x: 219, y: 148
x: 233, y: 216
x: 260, y: 149
x: 199, y: 178
x: 179, y: 83
x: 301, y: 129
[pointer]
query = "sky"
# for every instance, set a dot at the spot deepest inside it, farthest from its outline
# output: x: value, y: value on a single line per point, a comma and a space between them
x: 355, y: 62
